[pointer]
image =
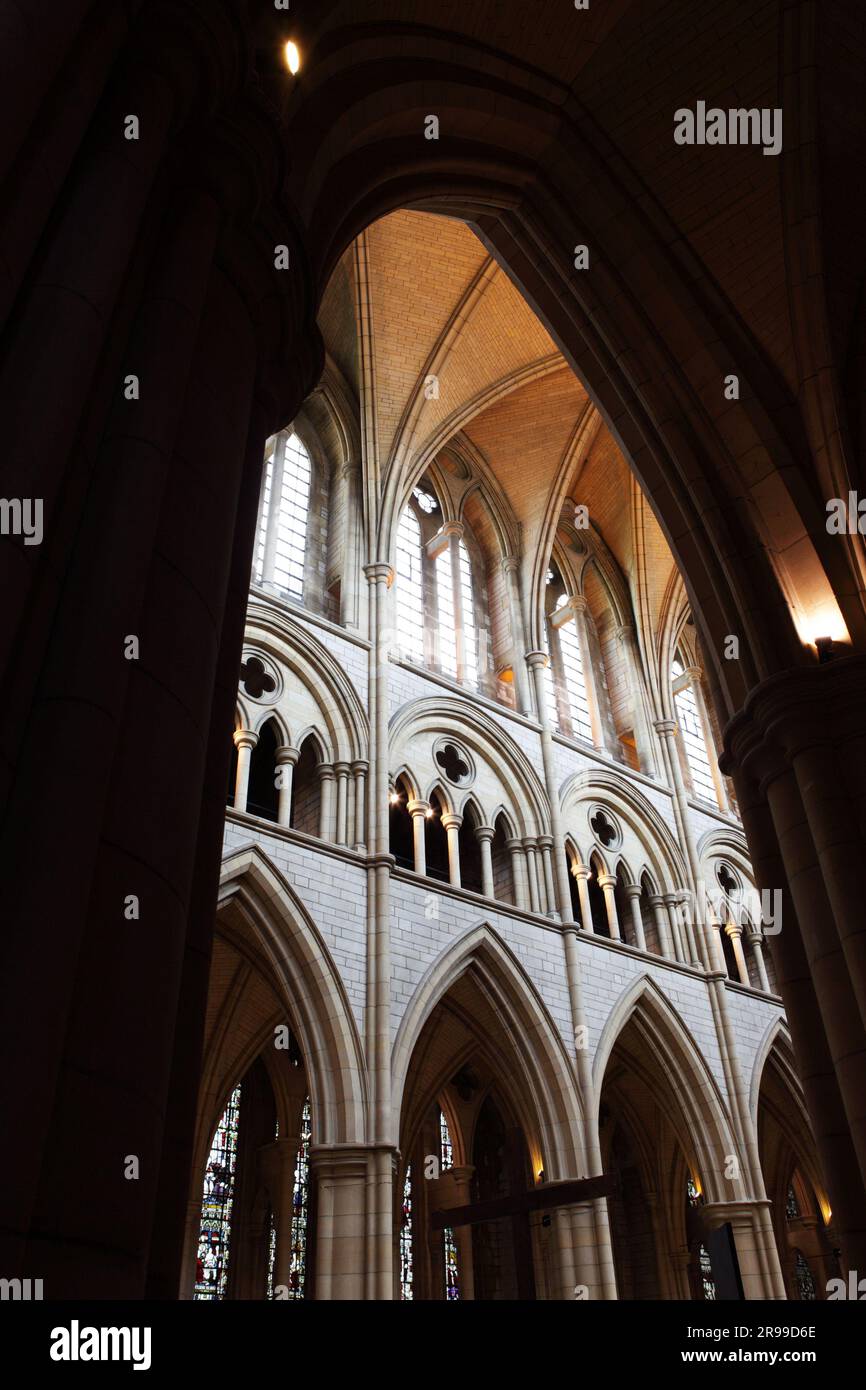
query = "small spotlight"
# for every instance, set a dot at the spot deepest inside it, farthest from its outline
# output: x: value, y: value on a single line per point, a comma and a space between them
x: 293, y: 57
x: 429, y: 813
x: 394, y: 798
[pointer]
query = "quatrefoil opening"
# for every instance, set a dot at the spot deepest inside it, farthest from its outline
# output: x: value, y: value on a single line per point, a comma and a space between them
x: 255, y: 680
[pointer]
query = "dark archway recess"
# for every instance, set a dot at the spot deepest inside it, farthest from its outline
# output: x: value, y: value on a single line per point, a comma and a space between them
x: 155, y: 258
x: 502, y: 1249
x: 262, y: 793
x: 400, y: 834
x: 436, y: 842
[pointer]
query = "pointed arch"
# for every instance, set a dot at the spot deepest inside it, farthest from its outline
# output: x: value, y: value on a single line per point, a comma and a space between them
x: 263, y: 918
x: 704, y: 1130
x: 541, y: 1076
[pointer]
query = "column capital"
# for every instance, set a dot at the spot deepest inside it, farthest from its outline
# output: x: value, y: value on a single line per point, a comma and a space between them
x: 452, y: 528
x: 581, y: 871
x: 342, y: 769
x: 286, y: 756
x: 607, y: 880
x: 530, y: 842
x: 510, y: 564
x: 484, y: 832
x: 733, y: 929
x: 245, y: 738
x: 545, y: 841
x: 514, y: 843
x: 624, y: 631
x: 378, y: 572
x: 418, y: 808
x: 656, y: 900
x: 345, y: 1161
x: 666, y: 727
x: 537, y: 658
x: 671, y: 899
x: 694, y: 673
x: 360, y: 765
x: 451, y: 821
x: 631, y: 890
x: 325, y: 772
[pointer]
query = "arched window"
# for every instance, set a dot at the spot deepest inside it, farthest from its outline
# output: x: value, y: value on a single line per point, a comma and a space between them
x: 805, y: 1280
x: 567, y: 694
x: 692, y: 733
x: 306, y: 789
x: 410, y: 587
x: 282, y: 538
x: 400, y: 833
x: 702, y: 1272
x: 436, y: 842
x: 446, y: 1155
x: 262, y: 798
x: 597, y: 904
x: 212, y: 1265
x: 503, y: 878
x: 470, y: 851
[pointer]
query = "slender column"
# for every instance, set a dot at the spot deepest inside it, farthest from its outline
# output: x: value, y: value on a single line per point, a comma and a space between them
x: 245, y: 742
x: 419, y: 811
x: 657, y: 903
x: 757, y: 945
x: 277, y: 1161
x: 671, y: 902
x: 510, y: 568
x: 452, y: 824
x: 342, y: 771
x: 287, y: 760
x: 667, y: 730
x: 545, y: 843
x: 607, y: 884
x: 717, y: 954
x: 580, y: 873
x: 484, y: 835
x: 735, y: 935
x: 632, y: 893
x: 518, y: 872
x: 359, y: 771
x: 349, y: 605
x: 529, y: 846
x: 326, y: 776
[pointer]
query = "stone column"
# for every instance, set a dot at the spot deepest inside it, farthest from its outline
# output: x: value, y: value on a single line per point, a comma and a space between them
x: 518, y: 872
x: 545, y: 843
x: 326, y: 776
x: 349, y: 596
x: 342, y: 770
x: 245, y: 742
x: 452, y: 824
x: 657, y: 903
x: 359, y: 771
x: 757, y: 1256
x: 735, y: 936
x: 607, y: 883
x: 632, y: 893
x: 484, y: 835
x: 756, y: 941
x: 671, y: 902
x: 510, y: 568
x: 667, y: 730
x: 342, y: 1174
x: 581, y: 876
x: 278, y: 1161
x: 529, y: 845
x: 287, y: 760
x: 419, y: 811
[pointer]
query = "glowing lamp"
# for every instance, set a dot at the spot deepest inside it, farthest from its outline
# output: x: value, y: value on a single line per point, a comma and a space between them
x: 293, y: 57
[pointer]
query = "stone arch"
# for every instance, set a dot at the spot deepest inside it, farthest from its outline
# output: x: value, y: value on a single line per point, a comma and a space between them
x: 701, y: 1120
x: 659, y: 848
x: 542, y: 1080
x: 274, y: 716
x: 488, y: 743
x: 268, y: 925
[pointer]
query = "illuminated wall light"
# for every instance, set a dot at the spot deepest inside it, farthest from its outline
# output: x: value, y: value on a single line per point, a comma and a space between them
x: 394, y: 798
x: 429, y: 813
x: 292, y: 56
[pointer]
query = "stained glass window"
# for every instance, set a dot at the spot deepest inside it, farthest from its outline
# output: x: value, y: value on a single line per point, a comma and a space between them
x: 692, y: 733
x: 410, y: 588
x: 282, y: 537
x: 446, y: 1152
x: 705, y: 1268
x: 272, y: 1253
x: 792, y: 1206
x: 805, y: 1281
x: 300, y: 1208
x: 216, y: 1211
x: 406, y: 1238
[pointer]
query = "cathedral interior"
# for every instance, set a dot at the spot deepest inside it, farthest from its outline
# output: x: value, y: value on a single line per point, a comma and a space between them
x: 433, y: 762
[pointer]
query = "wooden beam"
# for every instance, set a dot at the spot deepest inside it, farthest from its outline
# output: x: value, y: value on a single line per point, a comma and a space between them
x: 545, y: 1197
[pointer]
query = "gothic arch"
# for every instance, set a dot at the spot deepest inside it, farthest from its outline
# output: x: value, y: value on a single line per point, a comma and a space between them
x: 660, y: 851
x: 489, y: 744
x: 702, y: 1123
x: 263, y: 918
x: 542, y: 1079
